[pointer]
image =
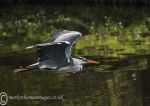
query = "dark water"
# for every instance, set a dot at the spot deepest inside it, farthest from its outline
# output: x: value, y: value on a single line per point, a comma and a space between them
x: 118, y: 37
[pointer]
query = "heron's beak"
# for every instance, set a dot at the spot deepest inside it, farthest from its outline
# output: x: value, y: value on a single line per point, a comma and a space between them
x: 91, y: 62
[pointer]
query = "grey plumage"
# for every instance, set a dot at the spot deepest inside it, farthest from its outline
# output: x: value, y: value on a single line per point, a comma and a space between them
x: 52, y: 56
x: 57, y: 53
x: 57, y: 34
x: 65, y: 35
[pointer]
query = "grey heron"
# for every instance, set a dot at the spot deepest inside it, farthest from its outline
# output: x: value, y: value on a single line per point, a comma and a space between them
x: 56, y: 54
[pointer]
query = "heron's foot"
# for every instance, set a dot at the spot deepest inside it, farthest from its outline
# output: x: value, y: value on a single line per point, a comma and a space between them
x: 21, y: 69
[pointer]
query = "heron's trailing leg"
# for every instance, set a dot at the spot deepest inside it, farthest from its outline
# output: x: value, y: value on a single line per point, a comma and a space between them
x: 21, y: 69
x: 27, y: 68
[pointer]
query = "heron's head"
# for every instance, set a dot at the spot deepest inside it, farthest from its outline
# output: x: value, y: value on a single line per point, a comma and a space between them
x: 86, y: 61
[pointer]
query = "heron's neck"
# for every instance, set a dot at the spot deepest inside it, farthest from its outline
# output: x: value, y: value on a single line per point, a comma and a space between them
x: 77, y: 61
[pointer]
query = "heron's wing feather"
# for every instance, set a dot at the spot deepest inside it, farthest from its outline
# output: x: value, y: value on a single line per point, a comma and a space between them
x: 52, y: 55
x: 65, y: 35
x: 47, y: 44
x: 58, y: 33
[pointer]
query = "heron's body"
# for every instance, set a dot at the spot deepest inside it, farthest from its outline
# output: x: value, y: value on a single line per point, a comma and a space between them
x: 74, y: 66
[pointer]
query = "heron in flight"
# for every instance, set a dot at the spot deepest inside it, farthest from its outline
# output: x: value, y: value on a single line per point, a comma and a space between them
x: 56, y: 54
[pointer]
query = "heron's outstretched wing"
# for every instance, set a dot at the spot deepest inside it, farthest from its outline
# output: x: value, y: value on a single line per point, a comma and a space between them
x: 65, y: 35
x: 58, y: 33
x: 52, y: 55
